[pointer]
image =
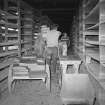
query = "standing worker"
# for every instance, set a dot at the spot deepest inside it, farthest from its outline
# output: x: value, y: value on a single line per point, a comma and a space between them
x: 65, y: 38
x: 52, y: 46
x: 65, y: 42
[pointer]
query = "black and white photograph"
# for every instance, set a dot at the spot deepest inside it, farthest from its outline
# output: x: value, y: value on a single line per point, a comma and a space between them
x: 52, y: 52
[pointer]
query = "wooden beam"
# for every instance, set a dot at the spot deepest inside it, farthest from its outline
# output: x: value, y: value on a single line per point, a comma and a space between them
x: 57, y: 9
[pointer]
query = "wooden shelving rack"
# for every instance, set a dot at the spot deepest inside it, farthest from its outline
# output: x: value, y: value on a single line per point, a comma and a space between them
x: 91, y: 46
x: 16, y: 34
x: 27, y: 25
x: 9, y: 37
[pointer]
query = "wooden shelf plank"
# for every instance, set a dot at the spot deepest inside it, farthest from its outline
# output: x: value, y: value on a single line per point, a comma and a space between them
x: 12, y: 25
x: 9, y: 53
x: 12, y: 17
x: 9, y: 43
x: 3, y: 74
x: 92, y: 42
x: 9, y: 24
x: 93, y: 53
x: 3, y: 12
x: 93, y: 16
x: 3, y: 85
x: 6, y: 13
x: 96, y: 26
x: 12, y: 35
x: 89, y: 45
x: 91, y: 33
x: 5, y: 63
x: 13, y: 8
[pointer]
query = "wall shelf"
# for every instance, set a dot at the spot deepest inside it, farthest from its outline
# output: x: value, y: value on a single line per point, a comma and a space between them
x: 12, y: 35
x: 3, y: 74
x: 93, y: 15
x: 101, y: 83
x: 5, y: 63
x: 9, y: 43
x: 4, y: 84
x: 91, y: 42
x: 3, y: 54
x: 93, y: 53
x: 16, y: 33
x: 91, y: 33
x: 94, y: 27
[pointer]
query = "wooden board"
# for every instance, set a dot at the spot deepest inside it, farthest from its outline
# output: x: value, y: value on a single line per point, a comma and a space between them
x: 70, y: 57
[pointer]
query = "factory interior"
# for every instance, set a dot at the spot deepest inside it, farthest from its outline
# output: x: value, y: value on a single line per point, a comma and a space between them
x: 52, y: 52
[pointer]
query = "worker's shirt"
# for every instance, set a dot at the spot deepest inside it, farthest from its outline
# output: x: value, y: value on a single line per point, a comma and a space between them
x: 52, y: 38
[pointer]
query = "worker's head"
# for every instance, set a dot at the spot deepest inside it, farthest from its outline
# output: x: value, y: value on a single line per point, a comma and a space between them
x: 44, y: 24
x: 54, y: 27
x: 65, y: 34
x: 44, y: 28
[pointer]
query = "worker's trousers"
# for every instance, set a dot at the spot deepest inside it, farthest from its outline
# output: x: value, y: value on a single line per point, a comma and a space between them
x: 52, y: 53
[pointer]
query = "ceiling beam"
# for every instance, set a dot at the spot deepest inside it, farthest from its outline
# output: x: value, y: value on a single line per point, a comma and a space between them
x: 58, y: 13
x: 60, y: 18
x: 62, y: 21
x: 57, y: 9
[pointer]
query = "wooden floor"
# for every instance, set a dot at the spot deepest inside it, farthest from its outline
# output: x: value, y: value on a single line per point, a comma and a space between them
x: 34, y: 93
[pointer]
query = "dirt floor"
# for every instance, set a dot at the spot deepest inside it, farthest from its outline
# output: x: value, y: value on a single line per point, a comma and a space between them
x: 34, y: 92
